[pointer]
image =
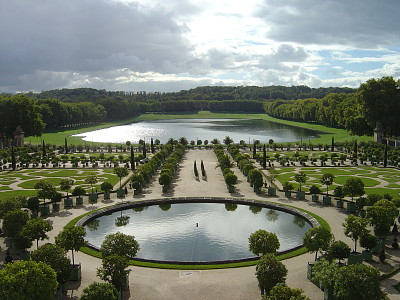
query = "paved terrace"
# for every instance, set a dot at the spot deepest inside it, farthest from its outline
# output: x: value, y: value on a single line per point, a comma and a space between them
x: 237, y: 283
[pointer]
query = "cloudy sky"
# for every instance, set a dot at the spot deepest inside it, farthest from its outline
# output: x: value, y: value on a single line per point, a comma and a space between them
x: 153, y: 45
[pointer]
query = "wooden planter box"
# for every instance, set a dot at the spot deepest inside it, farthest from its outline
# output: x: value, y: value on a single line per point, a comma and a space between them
x: 79, y: 200
x: 34, y: 215
x: 367, y: 255
x: 355, y: 258
x: 56, y: 206
x: 339, y: 204
x: 93, y: 198
x: 165, y: 188
x: 25, y: 255
x: 257, y: 190
x: 231, y: 188
x: 309, y: 271
x: 362, y: 213
x: 68, y: 202
x: 300, y: 195
x: 326, y: 200
x: 271, y: 191
x: 76, y: 272
x: 351, y: 207
x: 44, y: 209
x: 121, y: 193
x: 106, y: 195
x: 379, y: 246
x: 288, y: 194
x: 314, y: 198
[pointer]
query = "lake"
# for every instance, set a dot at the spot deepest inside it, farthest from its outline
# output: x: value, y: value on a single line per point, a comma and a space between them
x: 202, y: 129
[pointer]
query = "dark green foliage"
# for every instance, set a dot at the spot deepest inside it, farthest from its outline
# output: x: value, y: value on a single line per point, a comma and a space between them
x: 119, y: 244
x: 100, y: 291
x: 318, y: 239
x: 269, y: 272
x: 262, y: 242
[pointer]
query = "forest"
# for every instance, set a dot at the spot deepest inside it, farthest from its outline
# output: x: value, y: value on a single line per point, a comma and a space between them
x: 358, y: 111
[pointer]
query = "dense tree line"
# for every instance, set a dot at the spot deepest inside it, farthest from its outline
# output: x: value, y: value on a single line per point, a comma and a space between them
x: 376, y: 101
x: 218, y: 93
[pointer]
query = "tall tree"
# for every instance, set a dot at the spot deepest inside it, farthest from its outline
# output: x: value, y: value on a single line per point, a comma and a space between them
x: 71, y: 238
x: 353, y: 187
x: 36, y: 229
x: 327, y: 179
x: 262, y: 242
x: 132, y: 159
x: 264, y: 161
x: 13, y: 161
x: 355, y: 228
x: 269, y: 272
x: 119, y: 244
x: 318, y: 239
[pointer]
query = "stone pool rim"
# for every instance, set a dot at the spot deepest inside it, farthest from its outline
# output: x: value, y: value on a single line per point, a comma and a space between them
x: 173, y: 200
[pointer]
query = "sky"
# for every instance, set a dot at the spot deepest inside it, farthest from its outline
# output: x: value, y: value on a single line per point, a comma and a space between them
x: 167, y: 46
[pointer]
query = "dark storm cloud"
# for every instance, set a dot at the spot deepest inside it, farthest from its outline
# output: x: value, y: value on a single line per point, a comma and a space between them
x: 87, y: 36
x: 360, y: 23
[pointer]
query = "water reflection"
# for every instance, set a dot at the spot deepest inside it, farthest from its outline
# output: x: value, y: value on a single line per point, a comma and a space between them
x: 299, y: 221
x: 202, y: 129
x: 272, y: 215
x: 198, y: 231
x: 93, y: 225
x: 165, y: 206
x: 255, y: 209
x: 122, y: 221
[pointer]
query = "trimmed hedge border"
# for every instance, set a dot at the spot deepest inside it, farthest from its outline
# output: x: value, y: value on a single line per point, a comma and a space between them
x: 311, y: 218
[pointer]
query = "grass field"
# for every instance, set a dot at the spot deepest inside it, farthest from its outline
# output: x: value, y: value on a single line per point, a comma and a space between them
x: 376, y: 180
x: 13, y: 183
x: 57, y: 137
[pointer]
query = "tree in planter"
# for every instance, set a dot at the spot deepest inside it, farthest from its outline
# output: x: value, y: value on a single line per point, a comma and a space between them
x: 36, y: 229
x: 71, y: 238
x: 314, y: 189
x: 269, y: 272
x: 113, y: 270
x: 271, y: 177
x: 66, y: 184
x: 339, y: 192
x: 27, y: 280
x: 324, y: 272
x: 358, y: 281
x: 230, y: 178
x: 33, y: 204
x: 106, y: 187
x: 262, y: 242
x: 354, y: 228
x: 287, y: 186
x: 121, y: 172
x: 300, y: 178
x: 132, y: 159
x: 227, y: 140
x: 283, y: 292
x: 119, y: 244
x: 78, y: 191
x: 100, y: 291
x: 91, y: 179
x: 339, y: 250
x: 10, y: 204
x: 137, y: 181
x: 56, y: 258
x: 13, y: 222
x: 353, y: 187
x: 203, y: 170
x: 256, y: 178
x: 165, y: 179
x: 196, y: 172
x: 45, y: 189
x: 368, y: 241
x: 327, y: 179
x: 317, y: 239
x: 381, y: 216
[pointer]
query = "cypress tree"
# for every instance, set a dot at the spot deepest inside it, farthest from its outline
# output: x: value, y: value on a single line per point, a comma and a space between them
x: 132, y: 159
x: 254, y: 150
x: 14, y: 165
x: 264, y: 158
x: 151, y: 145
x: 385, y: 158
x: 43, y: 149
x: 66, y: 145
x: 333, y: 144
x: 144, y: 148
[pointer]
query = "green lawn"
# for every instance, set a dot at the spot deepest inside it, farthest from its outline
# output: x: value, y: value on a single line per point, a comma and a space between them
x: 369, y: 175
x: 28, y: 178
x: 57, y: 137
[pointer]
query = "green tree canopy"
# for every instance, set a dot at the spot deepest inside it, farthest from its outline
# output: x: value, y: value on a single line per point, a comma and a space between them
x: 354, y: 228
x: 106, y: 187
x: 27, y: 280
x: 55, y: 257
x: 327, y: 179
x: 382, y: 215
x: 66, y: 184
x: 10, y: 204
x: 262, y: 242
x: 91, y: 179
x: 353, y: 187
x: 283, y: 292
x: 121, y: 172
x: 356, y: 282
x: 113, y: 270
x: 36, y: 229
x: 119, y: 244
x: 45, y: 189
x: 71, y: 238
x: 100, y: 291
x: 13, y: 222
x: 269, y: 272
x: 318, y: 239
x: 300, y: 178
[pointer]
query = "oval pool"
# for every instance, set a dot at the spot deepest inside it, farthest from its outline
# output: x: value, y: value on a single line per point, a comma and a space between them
x: 197, y: 232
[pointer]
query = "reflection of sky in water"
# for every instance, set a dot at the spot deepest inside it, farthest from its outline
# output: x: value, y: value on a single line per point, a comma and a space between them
x: 221, y: 234
x: 203, y: 129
